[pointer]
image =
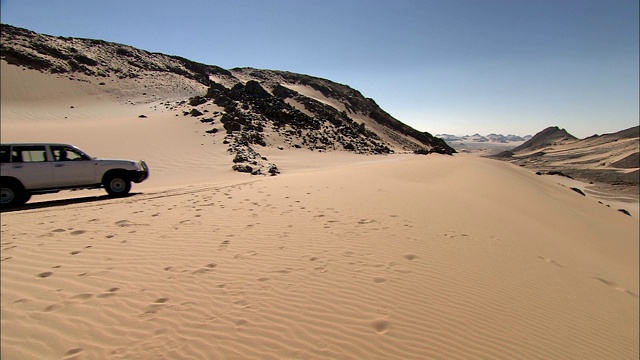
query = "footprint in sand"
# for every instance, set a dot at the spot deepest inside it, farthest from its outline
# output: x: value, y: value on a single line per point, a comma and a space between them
x: 245, y: 255
x: 366, y: 221
x: 381, y: 326
x: 204, y: 269
x: 153, y: 309
x: 410, y: 257
x: 80, y: 297
x: 551, y: 261
x: 615, y: 286
x: 454, y: 235
x: 45, y: 274
x: 72, y: 353
x: 53, y: 307
x: 77, y: 232
x: 108, y: 293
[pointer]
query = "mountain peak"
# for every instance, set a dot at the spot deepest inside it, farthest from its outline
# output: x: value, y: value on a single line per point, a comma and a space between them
x: 546, y: 137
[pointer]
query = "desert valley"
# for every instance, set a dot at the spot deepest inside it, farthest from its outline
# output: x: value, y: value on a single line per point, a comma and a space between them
x: 290, y: 217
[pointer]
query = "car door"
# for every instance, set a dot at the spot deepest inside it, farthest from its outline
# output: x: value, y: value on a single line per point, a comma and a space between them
x: 30, y: 165
x: 72, y: 167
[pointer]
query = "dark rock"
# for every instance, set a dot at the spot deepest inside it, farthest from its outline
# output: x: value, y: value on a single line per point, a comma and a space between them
x: 240, y: 157
x: 124, y: 52
x: 283, y: 92
x: 85, y: 60
x: 195, y: 112
x: 197, y: 100
x: 624, y: 212
x: 232, y: 126
x: 215, y: 89
x: 578, y: 191
x: 559, y: 173
x: 32, y: 61
x: 242, y: 168
x: 254, y: 89
x: 255, y: 137
x: 224, y: 101
x: 273, y: 170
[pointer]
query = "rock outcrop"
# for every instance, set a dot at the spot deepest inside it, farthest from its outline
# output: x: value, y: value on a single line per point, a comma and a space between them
x: 308, y: 112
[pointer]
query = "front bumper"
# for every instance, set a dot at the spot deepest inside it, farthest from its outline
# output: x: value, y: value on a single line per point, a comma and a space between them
x: 139, y: 176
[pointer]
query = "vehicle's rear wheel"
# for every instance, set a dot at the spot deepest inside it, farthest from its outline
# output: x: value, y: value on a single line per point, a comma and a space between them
x: 13, y: 194
x: 117, y: 185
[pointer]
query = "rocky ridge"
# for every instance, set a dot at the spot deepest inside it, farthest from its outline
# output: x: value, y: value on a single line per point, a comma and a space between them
x: 306, y: 111
x: 609, y: 159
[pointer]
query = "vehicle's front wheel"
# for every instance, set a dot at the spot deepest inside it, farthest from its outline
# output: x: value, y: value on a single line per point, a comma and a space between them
x: 117, y: 185
x: 13, y: 194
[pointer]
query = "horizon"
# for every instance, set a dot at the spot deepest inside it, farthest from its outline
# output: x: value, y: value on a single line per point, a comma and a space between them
x: 442, y: 67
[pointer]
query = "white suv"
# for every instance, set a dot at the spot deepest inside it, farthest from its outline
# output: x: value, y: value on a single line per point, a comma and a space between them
x: 27, y: 169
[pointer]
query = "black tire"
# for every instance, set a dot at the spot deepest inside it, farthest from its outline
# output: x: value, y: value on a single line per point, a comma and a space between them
x: 117, y: 185
x: 12, y: 193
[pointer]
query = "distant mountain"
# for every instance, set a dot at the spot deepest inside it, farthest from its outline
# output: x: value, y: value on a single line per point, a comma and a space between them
x: 302, y: 110
x: 611, y: 159
x: 495, y: 138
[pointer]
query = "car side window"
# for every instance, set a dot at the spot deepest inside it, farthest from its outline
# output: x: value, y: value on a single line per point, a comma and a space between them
x: 29, y: 153
x: 5, y: 154
x: 67, y: 153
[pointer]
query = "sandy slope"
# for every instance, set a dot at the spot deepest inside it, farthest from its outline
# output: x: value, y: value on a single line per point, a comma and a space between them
x: 340, y: 256
x: 414, y: 262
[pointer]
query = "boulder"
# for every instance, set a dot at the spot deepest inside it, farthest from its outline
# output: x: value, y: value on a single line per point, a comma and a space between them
x: 215, y: 90
x: 254, y: 89
x: 273, y: 170
x: 242, y: 168
x: 197, y: 100
x: 240, y: 157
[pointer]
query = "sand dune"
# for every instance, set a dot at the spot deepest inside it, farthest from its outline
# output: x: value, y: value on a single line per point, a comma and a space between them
x: 415, y: 262
x: 342, y: 256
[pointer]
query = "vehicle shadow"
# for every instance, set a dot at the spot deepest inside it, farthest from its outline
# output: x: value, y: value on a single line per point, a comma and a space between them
x: 64, y: 202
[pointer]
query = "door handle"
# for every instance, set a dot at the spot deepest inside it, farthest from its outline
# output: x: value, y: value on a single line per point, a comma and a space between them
x: 17, y: 166
x: 58, y: 165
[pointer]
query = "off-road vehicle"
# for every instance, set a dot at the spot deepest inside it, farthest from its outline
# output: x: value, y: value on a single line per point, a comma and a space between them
x: 30, y: 169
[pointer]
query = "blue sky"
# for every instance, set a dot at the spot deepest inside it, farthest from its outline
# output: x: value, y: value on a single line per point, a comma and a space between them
x: 442, y: 66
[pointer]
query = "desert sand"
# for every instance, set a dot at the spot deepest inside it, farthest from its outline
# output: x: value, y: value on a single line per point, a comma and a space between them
x: 341, y: 256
